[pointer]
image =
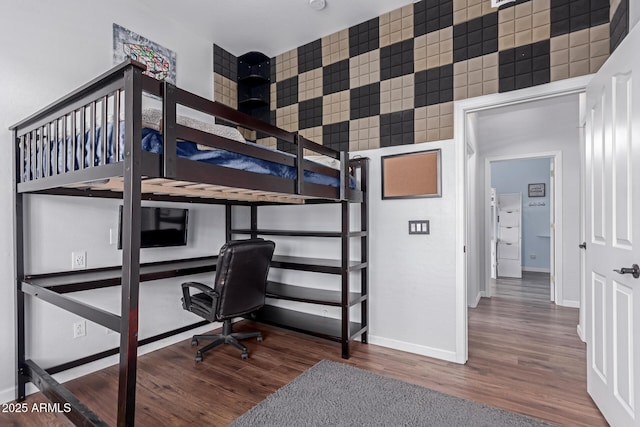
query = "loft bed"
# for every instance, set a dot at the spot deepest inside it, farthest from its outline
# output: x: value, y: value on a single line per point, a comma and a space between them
x: 97, y: 142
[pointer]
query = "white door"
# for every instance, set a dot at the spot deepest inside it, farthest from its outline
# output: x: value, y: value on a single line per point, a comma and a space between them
x: 613, y: 235
x: 494, y: 234
x: 510, y: 235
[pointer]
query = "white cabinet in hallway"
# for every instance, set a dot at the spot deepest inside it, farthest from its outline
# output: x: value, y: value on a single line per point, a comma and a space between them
x: 510, y: 235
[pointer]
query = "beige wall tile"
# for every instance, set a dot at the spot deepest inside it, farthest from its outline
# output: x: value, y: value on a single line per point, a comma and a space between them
x: 600, y: 32
x: 578, y: 53
x: 579, y: 38
x: 309, y: 85
x: 396, y: 26
x: 599, y: 48
x: 579, y: 68
x: 559, y: 72
x: 397, y: 94
x: 596, y: 62
x: 270, y: 142
x: 335, y: 47
x: 506, y: 42
x: 523, y: 24
x: 287, y: 118
x: 364, y: 133
x: 559, y: 57
x: 286, y: 65
x: 225, y: 91
x: 523, y: 9
x: 540, y: 33
x: 459, y: 16
x: 364, y: 69
x: 523, y: 38
x: 559, y: 42
x: 489, y: 87
x: 314, y: 134
x: 540, y: 5
x: 335, y: 107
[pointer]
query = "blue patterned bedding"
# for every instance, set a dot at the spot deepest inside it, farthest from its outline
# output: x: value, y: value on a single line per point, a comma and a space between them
x: 152, y: 142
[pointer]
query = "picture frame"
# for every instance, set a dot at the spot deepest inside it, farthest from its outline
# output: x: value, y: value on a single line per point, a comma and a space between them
x: 412, y: 175
x: 537, y: 190
x: 160, y: 61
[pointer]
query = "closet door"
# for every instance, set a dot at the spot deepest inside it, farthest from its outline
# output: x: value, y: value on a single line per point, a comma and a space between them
x: 510, y: 235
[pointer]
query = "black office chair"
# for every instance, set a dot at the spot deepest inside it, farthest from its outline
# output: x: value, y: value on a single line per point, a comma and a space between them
x: 239, y: 289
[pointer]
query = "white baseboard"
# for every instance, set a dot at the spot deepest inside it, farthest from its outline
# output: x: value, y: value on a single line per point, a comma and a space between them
x: 474, y: 304
x: 580, y: 333
x: 569, y: 303
x: 8, y: 395
x: 436, y: 353
x: 536, y: 269
x: 62, y: 377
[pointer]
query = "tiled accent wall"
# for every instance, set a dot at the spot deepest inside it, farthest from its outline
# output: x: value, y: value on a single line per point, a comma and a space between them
x: 392, y: 80
x: 225, y: 77
x: 619, y: 26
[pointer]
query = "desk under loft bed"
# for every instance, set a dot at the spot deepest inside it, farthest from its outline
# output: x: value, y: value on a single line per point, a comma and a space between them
x: 81, y: 145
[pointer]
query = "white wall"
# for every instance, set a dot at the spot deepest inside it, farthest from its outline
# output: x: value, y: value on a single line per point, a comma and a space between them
x: 49, y: 49
x: 412, y: 277
x: 514, y: 176
x: 531, y: 128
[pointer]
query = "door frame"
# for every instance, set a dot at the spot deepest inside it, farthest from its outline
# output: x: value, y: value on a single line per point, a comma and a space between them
x: 555, y: 199
x: 461, y: 118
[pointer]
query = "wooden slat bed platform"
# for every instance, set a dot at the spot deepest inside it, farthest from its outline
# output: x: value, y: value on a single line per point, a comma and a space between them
x: 168, y: 187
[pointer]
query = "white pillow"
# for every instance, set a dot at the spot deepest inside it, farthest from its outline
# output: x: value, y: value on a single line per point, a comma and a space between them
x: 324, y: 160
x: 152, y: 119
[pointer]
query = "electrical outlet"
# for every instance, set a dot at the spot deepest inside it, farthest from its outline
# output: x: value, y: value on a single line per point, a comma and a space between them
x: 532, y: 256
x: 78, y: 260
x: 80, y: 329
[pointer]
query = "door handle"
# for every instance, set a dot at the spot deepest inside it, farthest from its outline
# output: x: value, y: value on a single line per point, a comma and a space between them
x: 634, y: 271
x: 583, y: 245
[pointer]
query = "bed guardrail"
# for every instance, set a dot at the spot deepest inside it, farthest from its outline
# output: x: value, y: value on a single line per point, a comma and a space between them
x: 66, y: 141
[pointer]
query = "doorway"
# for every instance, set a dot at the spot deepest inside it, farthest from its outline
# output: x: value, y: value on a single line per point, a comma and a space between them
x: 521, y: 227
x: 514, y: 110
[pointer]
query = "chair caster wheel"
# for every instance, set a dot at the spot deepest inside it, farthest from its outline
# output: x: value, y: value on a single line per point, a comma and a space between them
x: 198, y: 358
x: 194, y: 342
x: 259, y: 339
x: 244, y: 356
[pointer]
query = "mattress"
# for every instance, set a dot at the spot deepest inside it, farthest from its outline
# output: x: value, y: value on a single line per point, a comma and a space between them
x: 152, y: 142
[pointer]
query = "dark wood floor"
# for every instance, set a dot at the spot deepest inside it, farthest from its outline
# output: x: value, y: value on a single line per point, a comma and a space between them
x: 533, y: 286
x: 524, y: 357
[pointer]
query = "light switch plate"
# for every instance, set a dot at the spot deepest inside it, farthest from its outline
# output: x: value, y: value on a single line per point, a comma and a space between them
x: 419, y: 226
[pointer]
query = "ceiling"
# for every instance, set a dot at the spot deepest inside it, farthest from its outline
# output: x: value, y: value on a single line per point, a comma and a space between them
x: 268, y: 26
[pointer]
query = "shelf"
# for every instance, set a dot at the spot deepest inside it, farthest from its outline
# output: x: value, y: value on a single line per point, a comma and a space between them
x: 310, y: 295
x: 253, y: 79
x: 323, y: 327
x: 298, y: 233
x: 73, y: 281
x: 319, y: 265
x: 252, y: 102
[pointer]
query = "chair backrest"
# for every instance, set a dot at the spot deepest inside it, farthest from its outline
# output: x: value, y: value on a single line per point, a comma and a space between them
x: 241, y: 276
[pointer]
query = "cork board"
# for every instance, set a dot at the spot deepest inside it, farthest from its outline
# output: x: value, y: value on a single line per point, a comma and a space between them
x: 411, y: 175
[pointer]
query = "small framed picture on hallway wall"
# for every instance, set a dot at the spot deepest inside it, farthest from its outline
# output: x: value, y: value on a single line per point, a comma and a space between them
x: 536, y: 190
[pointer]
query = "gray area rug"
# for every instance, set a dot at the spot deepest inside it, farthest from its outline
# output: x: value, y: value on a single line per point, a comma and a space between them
x: 333, y: 394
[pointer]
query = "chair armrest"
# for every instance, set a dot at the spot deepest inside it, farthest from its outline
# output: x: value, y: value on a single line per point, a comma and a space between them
x: 186, y: 295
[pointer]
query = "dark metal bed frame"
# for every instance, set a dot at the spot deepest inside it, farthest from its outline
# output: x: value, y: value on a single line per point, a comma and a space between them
x: 148, y: 176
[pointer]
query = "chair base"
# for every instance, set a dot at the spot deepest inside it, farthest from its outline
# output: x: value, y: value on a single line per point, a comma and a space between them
x: 226, y: 337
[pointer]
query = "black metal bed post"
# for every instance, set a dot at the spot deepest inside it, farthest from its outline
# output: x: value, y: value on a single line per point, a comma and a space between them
x: 254, y: 221
x: 21, y: 377
x: 364, y: 246
x: 344, y: 239
x: 130, y: 246
x: 228, y: 221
